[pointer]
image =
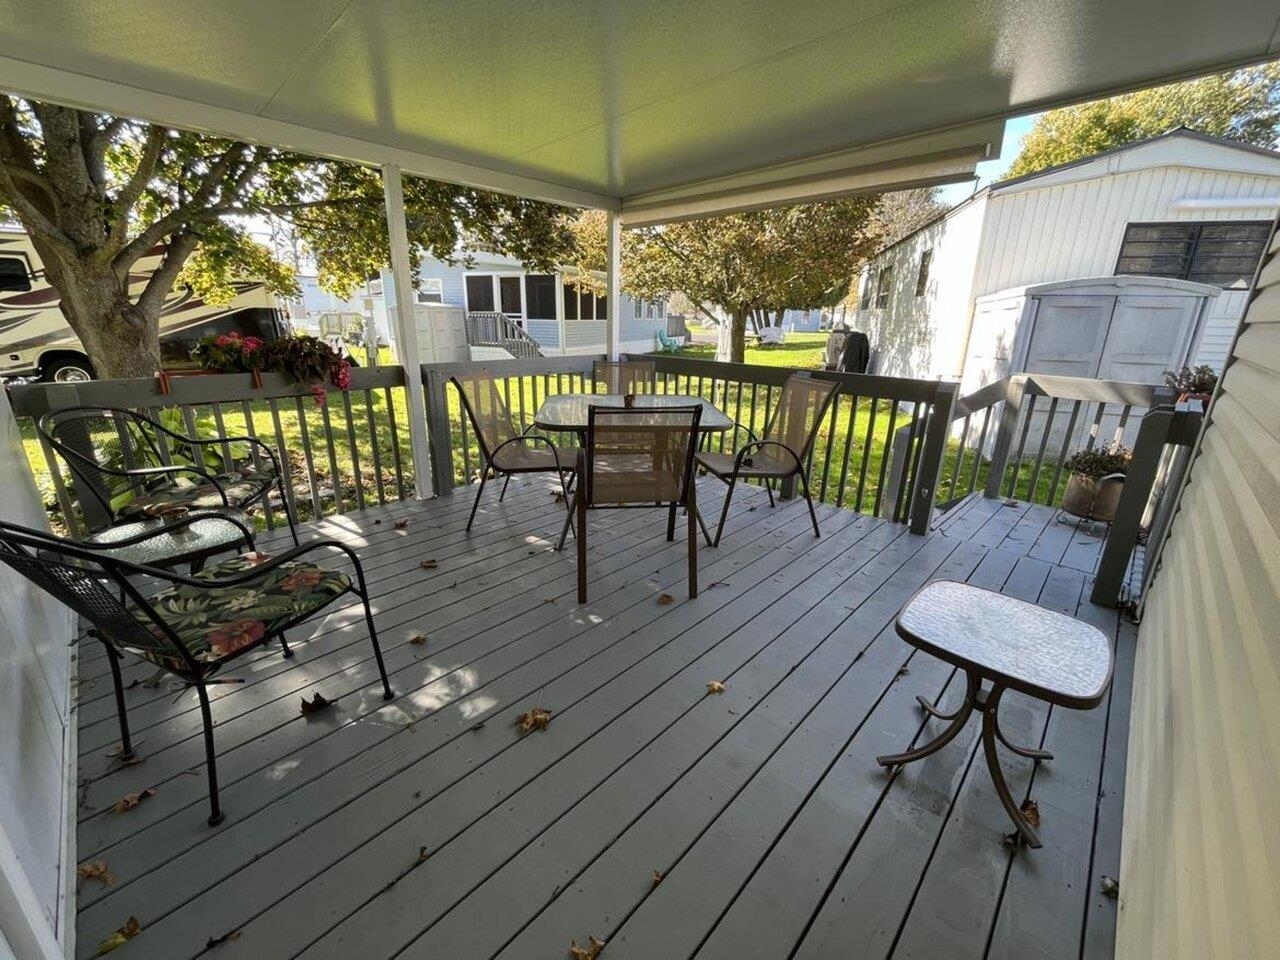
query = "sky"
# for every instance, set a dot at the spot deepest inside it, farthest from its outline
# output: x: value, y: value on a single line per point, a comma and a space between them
x: 991, y: 170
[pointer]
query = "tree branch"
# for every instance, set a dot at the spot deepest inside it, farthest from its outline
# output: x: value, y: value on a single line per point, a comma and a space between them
x: 127, y: 196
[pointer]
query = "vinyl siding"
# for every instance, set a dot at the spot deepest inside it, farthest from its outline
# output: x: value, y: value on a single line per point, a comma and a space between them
x: 1200, y: 872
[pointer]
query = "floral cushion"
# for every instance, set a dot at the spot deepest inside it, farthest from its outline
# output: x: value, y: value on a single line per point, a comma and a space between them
x: 216, y: 622
x: 241, y: 487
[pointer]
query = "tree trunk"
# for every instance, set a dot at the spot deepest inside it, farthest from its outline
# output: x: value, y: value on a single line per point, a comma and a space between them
x: 120, y: 339
x: 731, y: 345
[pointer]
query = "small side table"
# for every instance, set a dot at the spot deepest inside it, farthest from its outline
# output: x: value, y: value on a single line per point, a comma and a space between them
x: 1013, y: 645
x: 199, y: 538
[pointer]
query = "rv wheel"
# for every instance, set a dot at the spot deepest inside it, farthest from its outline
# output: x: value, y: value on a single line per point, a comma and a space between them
x: 67, y: 369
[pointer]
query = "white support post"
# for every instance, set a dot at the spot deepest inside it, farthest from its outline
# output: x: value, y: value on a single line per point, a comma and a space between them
x: 406, y: 328
x: 613, y: 331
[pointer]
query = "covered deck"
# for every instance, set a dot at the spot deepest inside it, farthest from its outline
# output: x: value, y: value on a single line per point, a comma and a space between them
x: 651, y: 814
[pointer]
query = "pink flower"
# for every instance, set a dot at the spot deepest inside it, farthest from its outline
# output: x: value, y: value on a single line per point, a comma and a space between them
x: 317, y: 391
x: 250, y: 344
x: 222, y: 340
x: 342, y: 379
x: 231, y: 637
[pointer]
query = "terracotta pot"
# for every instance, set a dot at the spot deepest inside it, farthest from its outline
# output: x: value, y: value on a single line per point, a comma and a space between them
x: 1093, y: 498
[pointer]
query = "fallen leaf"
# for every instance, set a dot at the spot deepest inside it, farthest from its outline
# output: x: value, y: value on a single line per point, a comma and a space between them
x: 135, y: 682
x: 559, y: 495
x: 1031, y: 810
x: 1011, y: 502
x: 903, y: 671
x: 1110, y: 888
x: 401, y: 524
x: 535, y: 719
x: 132, y: 761
x: 214, y: 941
x: 418, y: 640
x: 422, y: 854
x: 131, y: 800
x: 130, y: 930
x: 665, y: 599
x: 657, y: 877
x: 429, y: 564
x: 315, y: 704
x: 256, y: 558
x: 715, y: 686
x: 589, y: 952
x: 94, y: 870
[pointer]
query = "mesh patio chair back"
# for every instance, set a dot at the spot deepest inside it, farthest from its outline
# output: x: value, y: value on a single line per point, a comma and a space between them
x: 625, y: 376
x: 486, y: 409
x: 97, y: 444
x: 799, y: 413
x: 640, y: 455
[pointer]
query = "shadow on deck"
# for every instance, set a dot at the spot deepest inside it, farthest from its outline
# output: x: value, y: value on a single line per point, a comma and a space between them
x: 665, y: 820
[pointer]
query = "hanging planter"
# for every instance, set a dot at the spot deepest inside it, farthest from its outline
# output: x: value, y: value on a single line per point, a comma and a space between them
x: 1095, y: 483
x: 1193, y: 384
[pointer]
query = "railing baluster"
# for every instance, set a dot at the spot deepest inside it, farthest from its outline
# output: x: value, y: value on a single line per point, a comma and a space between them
x: 1044, y: 439
x: 1062, y: 453
x: 848, y: 448
x: 885, y: 457
x: 982, y: 445
x: 394, y: 432
x: 355, y: 449
x: 285, y: 467
x: 250, y: 431
x: 335, y: 476
x: 831, y: 443
x: 464, y: 430
x: 1022, y: 442
x: 373, y: 444
x: 307, y: 457
x: 1096, y: 427
x: 866, y: 453
x: 227, y: 460
x: 959, y: 466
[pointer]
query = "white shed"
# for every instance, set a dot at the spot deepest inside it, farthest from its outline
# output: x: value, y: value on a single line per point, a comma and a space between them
x: 1182, y: 206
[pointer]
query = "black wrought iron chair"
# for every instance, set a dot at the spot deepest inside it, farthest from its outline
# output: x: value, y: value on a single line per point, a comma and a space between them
x: 781, y: 453
x: 193, y: 626
x: 637, y: 457
x: 625, y: 376
x: 129, y: 465
x: 504, y: 450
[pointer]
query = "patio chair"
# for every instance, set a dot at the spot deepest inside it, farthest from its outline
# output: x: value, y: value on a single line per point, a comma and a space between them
x: 781, y: 453
x: 192, y: 626
x: 625, y: 376
x: 667, y: 344
x: 130, y: 466
x: 637, y: 457
x: 504, y: 450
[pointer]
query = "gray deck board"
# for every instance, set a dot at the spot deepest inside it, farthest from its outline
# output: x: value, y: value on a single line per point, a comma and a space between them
x: 776, y: 833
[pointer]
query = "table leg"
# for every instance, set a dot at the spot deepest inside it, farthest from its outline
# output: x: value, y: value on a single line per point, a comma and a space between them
x: 958, y: 720
x: 990, y: 731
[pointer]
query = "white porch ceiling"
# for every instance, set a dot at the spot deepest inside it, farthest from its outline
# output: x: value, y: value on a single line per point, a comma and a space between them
x: 655, y: 106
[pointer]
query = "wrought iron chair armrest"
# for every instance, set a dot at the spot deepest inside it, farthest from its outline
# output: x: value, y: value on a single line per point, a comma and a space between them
x: 760, y: 445
x: 220, y: 439
x: 523, y: 436
x: 754, y: 437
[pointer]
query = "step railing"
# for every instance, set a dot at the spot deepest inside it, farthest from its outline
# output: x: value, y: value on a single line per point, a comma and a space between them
x: 347, y: 452
x: 500, y: 331
x: 848, y: 464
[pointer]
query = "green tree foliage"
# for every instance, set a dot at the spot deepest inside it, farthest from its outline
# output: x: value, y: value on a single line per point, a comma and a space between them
x: 1239, y: 105
x: 98, y: 193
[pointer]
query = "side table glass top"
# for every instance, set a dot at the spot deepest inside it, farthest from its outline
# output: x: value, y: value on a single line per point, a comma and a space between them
x: 207, y: 535
x: 568, y: 411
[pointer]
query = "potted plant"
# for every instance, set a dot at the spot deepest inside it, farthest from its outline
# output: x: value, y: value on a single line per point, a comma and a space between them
x: 1096, y: 481
x: 1192, y: 384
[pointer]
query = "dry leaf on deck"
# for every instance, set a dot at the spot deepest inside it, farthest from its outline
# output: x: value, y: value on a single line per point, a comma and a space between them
x: 401, y: 524
x: 665, y: 599
x: 256, y: 558
x: 130, y: 930
x: 535, y: 719
x: 559, y: 495
x: 214, y: 941
x: 589, y: 952
x: 316, y: 704
x: 1031, y: 810
x: 429, y: 564
x: 1110, y: 888
x: 422, y: 854
x: 94, y: 870
x: 418, y: 640
x: 715, y: 686
x: 657, y: 877
x: 131, y: 800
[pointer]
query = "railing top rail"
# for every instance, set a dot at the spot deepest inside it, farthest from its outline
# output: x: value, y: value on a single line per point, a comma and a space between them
x: 860, y: 384
x: 37, y: 399
x: 532, y: 366
x: 1063, y: 388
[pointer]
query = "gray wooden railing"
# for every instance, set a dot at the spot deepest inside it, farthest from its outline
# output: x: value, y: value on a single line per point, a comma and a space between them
x: 347, y: 453
x: 848, y: 465
x: 499, y: 330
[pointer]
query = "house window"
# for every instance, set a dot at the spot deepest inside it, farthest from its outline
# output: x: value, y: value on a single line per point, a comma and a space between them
x: 509, y: 290
x: 884, y: 288
x: 430, y: 290
x: 540, y: 296
x: 867, y: 287
x: 1223, y: 254
x: 13, y: 274
x: 479, y: 293
x: 584, y: 305
x: 922, y: 275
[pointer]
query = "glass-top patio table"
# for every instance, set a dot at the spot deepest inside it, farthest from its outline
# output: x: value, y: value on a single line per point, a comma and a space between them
x: 568, y: 411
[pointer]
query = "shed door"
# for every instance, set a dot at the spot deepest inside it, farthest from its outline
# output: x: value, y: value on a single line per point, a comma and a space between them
x: 1148, y: 336
x: 1069, y: 335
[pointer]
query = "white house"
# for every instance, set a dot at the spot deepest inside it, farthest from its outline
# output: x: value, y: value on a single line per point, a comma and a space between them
x: 1182, y: 206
